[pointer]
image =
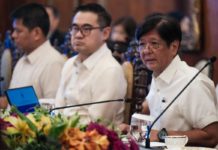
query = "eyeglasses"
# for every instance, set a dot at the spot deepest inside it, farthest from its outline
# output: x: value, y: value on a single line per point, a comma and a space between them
x: 152, y: 44
x: 85, y: 30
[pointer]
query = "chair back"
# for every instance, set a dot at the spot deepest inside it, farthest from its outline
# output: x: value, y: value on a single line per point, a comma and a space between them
x: 5, y: 70
x: 208, y: 71
x: 128, y: 72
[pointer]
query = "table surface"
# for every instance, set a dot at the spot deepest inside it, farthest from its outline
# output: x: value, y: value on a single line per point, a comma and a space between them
x: 161, y: 146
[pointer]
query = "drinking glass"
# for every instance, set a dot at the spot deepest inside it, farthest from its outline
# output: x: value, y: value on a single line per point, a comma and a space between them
x: 138, y: 129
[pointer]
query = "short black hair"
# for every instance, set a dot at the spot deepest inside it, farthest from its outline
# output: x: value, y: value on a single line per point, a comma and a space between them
x: 54, y: 10
x: 104, y: 18
x: 32, y: 15
x: 129, y: 26
x: 152, y: 15
x: 168, y: 28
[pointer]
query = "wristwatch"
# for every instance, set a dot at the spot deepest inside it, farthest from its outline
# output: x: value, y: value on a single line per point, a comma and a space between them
x: 161, y: 134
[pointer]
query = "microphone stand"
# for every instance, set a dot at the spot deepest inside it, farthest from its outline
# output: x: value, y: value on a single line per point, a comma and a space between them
x: 84, y: 104
x: 147, y: 139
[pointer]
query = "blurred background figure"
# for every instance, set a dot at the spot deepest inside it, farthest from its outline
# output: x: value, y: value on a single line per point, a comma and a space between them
x: 55, y: 36
x: 122, y: 34
x: 5, y: 63
x: 188, y: 39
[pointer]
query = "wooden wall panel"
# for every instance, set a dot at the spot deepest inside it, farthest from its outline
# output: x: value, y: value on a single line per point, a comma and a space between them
x: 66, y: 8
x: 87, y: 1
x: 4, y: 19
x: 162, y: 6
x: 211, y: 33
x: 118, y: 9
x: 139, y: 8
x: 6, y: 9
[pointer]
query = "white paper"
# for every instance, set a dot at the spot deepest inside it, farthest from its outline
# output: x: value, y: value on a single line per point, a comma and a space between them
x: 143, y: 117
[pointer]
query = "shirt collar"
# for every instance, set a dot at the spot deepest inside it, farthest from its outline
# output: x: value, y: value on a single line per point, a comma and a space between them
x: 38, y: 52
x: 168, y: 74
x: 91, y: 61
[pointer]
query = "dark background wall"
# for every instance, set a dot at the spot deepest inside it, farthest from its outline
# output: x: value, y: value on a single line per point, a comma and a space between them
x: 137, y: 9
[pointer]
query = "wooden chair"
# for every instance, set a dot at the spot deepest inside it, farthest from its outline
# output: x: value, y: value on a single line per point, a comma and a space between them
x: 5, y: 69
x: 128, y: 72
x: 137, y: 78
x: 217, y: 92
x: 208, y: 71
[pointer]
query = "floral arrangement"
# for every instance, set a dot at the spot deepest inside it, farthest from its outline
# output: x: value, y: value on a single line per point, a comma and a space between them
x: 41, y: 131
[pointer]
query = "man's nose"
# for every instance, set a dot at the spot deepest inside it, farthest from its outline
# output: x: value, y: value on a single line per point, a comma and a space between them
x: 14, y: 34
x: 147, y: 49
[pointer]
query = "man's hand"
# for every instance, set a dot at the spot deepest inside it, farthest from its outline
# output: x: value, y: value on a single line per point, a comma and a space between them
x: 3, y: 102
x: 124, y: 128
x: 206, y: 137
x: 153, y: 136
x: 145, y: 108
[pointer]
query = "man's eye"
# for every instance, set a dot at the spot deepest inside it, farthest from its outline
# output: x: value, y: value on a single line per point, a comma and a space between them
x: 17, y: 30
x: 141, y: 44
x: 87, y: 28
x: 75, y: 28
x: 154, y: 43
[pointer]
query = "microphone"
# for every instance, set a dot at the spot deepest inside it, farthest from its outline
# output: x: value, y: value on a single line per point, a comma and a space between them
x: 84, y: 104
x: 147, y: 139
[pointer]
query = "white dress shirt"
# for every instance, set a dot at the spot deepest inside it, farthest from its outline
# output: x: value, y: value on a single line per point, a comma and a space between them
x: 196, y: 107
x: 41, y: 69
x: 98, y: 78
x: 217, y: 91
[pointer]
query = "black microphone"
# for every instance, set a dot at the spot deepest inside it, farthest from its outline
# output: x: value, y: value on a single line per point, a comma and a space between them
x: 147, y: 139
x: 84, y: 104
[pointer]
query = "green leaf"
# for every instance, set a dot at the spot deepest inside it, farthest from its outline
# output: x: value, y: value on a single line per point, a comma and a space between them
x: 83, y: 127
x: 24, y: 118
x: 74, y: 121
x: 57, y: 129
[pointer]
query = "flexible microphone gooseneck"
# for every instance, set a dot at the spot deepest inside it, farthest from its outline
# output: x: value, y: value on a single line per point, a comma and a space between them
x: 84, y: 104
x: 147, y: 139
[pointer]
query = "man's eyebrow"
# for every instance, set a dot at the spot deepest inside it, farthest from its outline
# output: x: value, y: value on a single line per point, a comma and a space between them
x: 154, y: 39
x: 74, y: 24
x: 86, y: 24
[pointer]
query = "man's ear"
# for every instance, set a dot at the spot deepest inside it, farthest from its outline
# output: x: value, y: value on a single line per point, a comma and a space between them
x: 174, y: 46
x: 37, y: 33
x: 106, y: 33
